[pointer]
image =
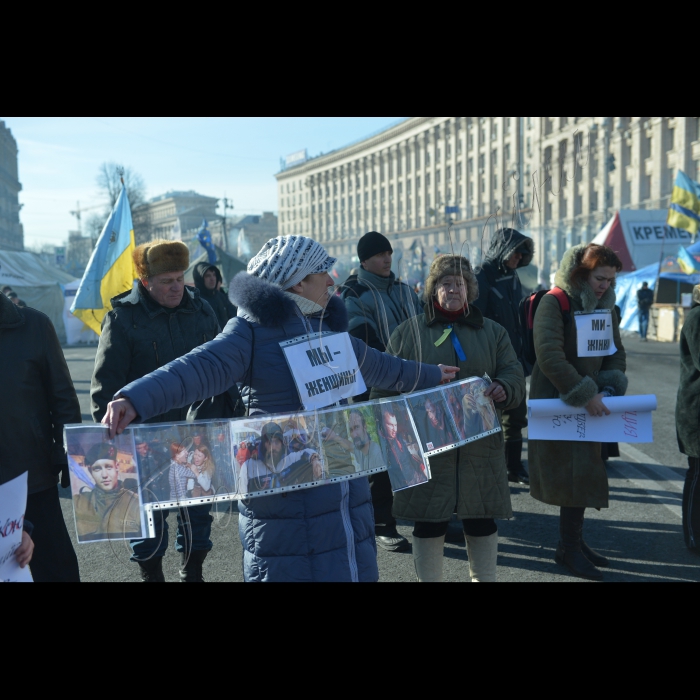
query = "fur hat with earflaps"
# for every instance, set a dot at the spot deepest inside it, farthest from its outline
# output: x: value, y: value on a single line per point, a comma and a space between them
x: 451, y: 266
x: 159, y: 257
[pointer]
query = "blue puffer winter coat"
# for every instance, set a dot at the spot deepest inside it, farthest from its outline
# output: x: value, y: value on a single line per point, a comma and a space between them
x: 320, y: 535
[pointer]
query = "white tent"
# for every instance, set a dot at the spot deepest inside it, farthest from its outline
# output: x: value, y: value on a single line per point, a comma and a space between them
x: 37, y: 284
x: 76, y: 331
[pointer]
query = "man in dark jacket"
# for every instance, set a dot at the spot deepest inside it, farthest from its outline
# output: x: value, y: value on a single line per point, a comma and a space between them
x: 688, y: 422
x: 645, y: 300
x: 39, y: 399
x: 500, y: 294
x: 377, y: 304
x: 148, y: 328
x: 208, y: 280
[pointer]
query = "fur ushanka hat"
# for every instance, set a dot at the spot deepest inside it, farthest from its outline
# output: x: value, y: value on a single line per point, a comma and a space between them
x: 451, y: 266
x: 159, y: 257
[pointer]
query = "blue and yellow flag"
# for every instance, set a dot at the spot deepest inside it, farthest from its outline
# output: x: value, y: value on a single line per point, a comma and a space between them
x: 685, y: 205
x: 110, y: 271
x: 687, y: 262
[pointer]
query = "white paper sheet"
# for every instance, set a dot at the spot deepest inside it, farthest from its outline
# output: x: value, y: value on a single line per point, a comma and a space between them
x: 13, y: 503
x: 630, y: 421
x: 595, y: 334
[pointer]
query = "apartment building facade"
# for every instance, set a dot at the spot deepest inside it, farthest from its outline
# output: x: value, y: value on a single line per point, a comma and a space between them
x: 11, y: 231
x: 436, y: 184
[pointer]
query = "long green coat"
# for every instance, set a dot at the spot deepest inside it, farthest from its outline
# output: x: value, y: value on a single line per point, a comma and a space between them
x: 571, y: 474
x: 474, y: 477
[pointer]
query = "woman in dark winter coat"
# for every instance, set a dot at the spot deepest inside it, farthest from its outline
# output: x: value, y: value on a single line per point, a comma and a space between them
x: 572, y: 475
x: 208, y: 280
x: 473, y: 478
x: 688, y: 422
x: 322, y: 534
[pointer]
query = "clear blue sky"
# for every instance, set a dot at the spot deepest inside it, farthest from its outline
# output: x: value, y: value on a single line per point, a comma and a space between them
x: 238, y: 156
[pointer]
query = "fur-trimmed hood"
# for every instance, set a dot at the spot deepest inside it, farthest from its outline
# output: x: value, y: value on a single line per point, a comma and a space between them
x: 10, y: 316
x: 268, y: 306
x: 696, y: 296
x: 584, y: 293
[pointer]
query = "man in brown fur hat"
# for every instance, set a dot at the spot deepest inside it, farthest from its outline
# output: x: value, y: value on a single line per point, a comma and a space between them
x: 149, y: 327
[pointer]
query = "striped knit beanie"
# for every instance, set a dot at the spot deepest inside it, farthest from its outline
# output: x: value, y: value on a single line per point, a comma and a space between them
x: 288, y: 260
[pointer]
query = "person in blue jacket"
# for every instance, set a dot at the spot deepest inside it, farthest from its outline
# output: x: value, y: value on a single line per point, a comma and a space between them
x: 319, y: 535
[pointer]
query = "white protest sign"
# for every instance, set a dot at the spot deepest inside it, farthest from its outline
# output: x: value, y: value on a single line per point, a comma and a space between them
x: 629, y: 422
x: 595, y: 334
x: 13, y: 503
x: 325, y: 369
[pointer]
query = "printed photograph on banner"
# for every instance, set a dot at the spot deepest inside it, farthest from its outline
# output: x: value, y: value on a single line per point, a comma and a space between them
x: 365, y: 435
x: 280, y: 452
x: 400, y: 446
x: 185, y: 461
x: 433, y: 421
x: 473, y: 413
x: 105, y: 485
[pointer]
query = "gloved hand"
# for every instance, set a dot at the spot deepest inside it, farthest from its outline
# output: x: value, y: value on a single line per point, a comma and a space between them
x: 64, y: 472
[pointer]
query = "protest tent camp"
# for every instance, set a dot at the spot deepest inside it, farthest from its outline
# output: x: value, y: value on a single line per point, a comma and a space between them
x: 227, y: 264
x: 672, y: 284
x: 641, y: 236
x: 37, y: 284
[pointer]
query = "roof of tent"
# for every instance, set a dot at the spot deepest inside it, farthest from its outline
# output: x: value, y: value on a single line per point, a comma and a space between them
x: 228, y: 265
x: 29, y: 270
x: 639, y: 236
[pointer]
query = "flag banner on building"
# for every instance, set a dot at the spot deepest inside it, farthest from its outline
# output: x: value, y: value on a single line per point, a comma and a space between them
x: 204, y: 237
x: 685, y: 205
x: 110, y: 271
x: 688, y: 264
x: 117, y: 485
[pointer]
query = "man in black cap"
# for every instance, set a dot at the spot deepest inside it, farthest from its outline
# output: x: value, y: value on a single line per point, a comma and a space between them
x: 377, y: 304
x: 500, y: 294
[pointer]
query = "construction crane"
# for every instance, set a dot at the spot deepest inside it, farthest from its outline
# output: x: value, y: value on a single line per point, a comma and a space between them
x: 78, y: 214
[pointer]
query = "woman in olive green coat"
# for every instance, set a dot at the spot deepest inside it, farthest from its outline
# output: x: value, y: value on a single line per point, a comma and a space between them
x: 572, y: 475
x: 473, y: 477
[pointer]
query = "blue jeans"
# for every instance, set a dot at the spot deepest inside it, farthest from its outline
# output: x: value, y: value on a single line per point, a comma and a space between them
x: 193, y: 534
x: 643, y: 323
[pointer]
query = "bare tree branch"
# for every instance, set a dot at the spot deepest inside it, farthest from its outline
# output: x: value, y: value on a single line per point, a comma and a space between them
x: 109, y: 182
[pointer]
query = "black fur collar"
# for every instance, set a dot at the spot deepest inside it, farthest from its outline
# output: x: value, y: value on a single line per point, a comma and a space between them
x: 267, y: 305
x: 10, y: 316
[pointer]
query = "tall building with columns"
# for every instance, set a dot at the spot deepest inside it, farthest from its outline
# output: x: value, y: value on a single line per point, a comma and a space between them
x: 437, y: 184
x: 11, y: 231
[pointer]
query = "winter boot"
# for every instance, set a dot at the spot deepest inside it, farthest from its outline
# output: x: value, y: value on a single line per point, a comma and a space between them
x: 569, y: 552
x: 596, y: 559
x: 152, y: 570
x: 428, y: 557
x: 517, y: 474
x: 191, y: 571
x: 483, y: 558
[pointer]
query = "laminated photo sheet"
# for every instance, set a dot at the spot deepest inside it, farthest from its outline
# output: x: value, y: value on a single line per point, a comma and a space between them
x: 105, y: 485
x: 630, y: 421
x: 185, y: 464
x: 470, y: 415
x: 401, y: 446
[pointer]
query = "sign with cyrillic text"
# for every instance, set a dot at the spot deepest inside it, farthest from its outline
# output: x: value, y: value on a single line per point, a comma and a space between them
x: 595, y: 334
x: 325, y: 369
x: 13, y: 502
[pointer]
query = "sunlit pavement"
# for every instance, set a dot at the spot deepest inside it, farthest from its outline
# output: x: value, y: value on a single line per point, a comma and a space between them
x: 641, y: 533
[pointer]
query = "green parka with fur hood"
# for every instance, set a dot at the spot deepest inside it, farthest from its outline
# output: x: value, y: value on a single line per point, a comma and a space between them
x: 572, y: 474
x: 688, y: 407
x: 473, y: 477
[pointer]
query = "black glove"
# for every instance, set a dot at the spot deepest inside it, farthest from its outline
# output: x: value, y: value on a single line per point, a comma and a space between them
x: 64, y: 471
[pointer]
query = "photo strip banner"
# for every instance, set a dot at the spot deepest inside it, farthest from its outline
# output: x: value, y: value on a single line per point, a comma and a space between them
x: 118, y: 484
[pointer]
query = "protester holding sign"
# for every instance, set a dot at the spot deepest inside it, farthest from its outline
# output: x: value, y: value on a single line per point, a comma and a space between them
x: 688, y: 422
x: 453, y: 331
x: 580, y: 360
x: 323, y: 534
x: 39, y: 400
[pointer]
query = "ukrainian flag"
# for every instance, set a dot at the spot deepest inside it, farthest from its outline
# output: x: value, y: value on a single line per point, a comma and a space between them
x: 687, y: 262
x: 685, y: 205
x: 110, y: 271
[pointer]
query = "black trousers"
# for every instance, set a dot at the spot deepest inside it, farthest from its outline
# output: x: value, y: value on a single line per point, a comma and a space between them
x: 691, y: 505
x: 54, y: 558
x: 514, y: 422
x: 472, y: 528
x: 383, y: 502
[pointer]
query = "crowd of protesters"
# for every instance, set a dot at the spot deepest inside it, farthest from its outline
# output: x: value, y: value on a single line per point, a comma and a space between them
x: 170, y: 353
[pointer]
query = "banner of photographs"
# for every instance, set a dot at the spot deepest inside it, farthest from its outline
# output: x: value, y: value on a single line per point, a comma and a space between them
x: 166, y: 467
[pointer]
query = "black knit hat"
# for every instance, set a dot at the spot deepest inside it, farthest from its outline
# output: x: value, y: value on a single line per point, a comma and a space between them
x: 372, y: 244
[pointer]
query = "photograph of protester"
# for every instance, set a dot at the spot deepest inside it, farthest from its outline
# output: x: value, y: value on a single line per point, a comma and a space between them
x: 338, y: 448
x: 401, y: 453
x: 365, y: 437
x: 474, y: 477
x: 432, y: 420
x: 104, y: 507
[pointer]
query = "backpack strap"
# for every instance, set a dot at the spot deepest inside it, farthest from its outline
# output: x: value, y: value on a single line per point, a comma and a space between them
x: 563, y: 298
